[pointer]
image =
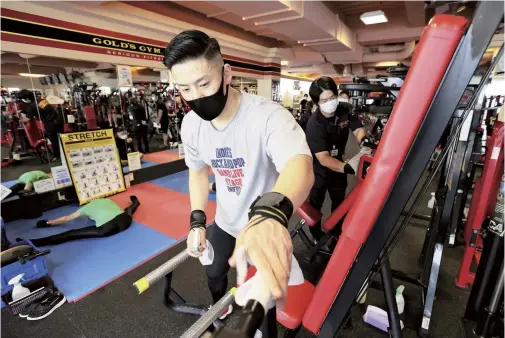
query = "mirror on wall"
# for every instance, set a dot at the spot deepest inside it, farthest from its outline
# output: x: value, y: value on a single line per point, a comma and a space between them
x: 75, y: 95
x: 245, y: 85
x: 25, y: 150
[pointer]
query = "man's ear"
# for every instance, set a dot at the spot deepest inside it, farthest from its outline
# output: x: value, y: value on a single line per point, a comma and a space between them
x: 227, y: 76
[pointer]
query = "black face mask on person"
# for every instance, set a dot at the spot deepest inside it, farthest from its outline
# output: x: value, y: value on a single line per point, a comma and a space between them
x: 210, y: 107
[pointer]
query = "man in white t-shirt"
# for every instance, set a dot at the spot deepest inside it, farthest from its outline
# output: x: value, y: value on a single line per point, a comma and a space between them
x: 260, y: 158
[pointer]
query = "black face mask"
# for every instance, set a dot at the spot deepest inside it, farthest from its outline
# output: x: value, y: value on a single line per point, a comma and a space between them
x: 210, y: 107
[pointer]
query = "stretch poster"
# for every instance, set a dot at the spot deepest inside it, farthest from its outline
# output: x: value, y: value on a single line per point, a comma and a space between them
x: 93, y: 162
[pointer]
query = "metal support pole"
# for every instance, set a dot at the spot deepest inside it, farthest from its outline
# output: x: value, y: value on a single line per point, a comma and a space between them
x: 484, y: 326
x: 394, y: 328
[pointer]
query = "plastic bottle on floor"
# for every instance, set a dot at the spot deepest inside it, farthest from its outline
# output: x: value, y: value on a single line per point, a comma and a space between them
x: 400, y: 301
x: 19, y: 291
x: 431, y: 202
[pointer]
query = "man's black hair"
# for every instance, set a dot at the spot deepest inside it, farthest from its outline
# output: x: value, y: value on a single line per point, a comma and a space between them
x: 320, y: 85
x: 25, y: 94
x: 188, y: 45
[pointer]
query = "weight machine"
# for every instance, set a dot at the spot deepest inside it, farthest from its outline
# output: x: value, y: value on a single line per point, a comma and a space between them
x: 370, y: 229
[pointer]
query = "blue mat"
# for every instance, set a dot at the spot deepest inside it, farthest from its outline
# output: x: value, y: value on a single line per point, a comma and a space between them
x: 9, y: 184
x: 145, y: 164
x: 179, y: 182
x: 80, y: 267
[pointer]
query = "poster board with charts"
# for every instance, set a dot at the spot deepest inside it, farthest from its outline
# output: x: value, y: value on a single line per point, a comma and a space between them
x: 94, y: 164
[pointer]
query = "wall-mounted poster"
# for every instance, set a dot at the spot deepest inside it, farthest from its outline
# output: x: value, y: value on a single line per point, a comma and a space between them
x: 93, y: 161
x: 124, y: 76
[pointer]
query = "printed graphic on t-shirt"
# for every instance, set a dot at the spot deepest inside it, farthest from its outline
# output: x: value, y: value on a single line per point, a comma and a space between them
x: 230, y: 168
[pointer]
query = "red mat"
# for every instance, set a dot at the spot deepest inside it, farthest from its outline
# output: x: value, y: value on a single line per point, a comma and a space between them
x: 163, y: 156
x: 162, y: 209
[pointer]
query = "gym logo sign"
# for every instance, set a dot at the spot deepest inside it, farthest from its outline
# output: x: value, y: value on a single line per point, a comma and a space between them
x: 19, y: 27
x: 16, y: 30
x: 132, y: 47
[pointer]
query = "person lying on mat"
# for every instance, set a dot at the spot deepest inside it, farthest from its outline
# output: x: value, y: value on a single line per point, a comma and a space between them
x: 256, y: 150
x: 25, y: 182
x: 109, y: 219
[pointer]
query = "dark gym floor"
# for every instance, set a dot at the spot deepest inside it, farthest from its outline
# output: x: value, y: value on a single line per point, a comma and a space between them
x: 116, y: 309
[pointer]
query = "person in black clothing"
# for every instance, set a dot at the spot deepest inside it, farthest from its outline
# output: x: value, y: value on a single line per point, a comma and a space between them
x: 327, y: 132
x: 53, y: 122
x: 304, y: 119
x: 139, y: 124
x: 355, y: 123
x: 303, y: 102
x: 124, y: 145
x: 162, y: 110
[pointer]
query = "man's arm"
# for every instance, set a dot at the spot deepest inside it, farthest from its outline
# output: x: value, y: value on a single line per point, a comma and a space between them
x: 330, y: 162
x: 360, y: 133
x: 199, y: 188
x: 296, y: 179
x: 65, y: 219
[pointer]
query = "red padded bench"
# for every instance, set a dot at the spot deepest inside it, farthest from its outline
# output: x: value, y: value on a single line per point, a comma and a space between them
x: 299, y: 297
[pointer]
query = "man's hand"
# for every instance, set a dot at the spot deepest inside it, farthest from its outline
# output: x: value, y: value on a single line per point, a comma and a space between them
x: 202, y: 244
x: 270, y: 249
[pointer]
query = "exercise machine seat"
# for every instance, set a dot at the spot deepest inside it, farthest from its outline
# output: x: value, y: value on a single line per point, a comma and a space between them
x: 33, y: 134
x: 90, y: 116
x: 342, y: 209
x: 434, y: 52
x: 298, y: 299
x: 310, y: 215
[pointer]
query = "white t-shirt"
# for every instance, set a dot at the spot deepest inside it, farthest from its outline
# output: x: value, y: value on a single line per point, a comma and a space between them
x: 246, y: 156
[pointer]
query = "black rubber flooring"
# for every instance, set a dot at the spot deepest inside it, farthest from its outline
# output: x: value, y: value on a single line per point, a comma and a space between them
x: 117, y: 311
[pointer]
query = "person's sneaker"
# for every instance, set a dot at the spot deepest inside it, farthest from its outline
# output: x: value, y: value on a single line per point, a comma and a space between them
x: 47, y: 306
x: 30, y: 307
x: 226, y: 312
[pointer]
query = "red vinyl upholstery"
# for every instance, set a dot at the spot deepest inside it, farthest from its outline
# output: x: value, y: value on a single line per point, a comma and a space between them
x: 429, y: 64
x: 33, y: 133
x: 310, y: 215
x: 298, y: 299
x: 483, y: 200
x: 342, y: 209
x: 90, y: 116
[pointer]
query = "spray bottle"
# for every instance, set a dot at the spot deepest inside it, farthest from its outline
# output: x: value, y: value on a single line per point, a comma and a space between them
x: 400, y: 301
x: 19, y: 291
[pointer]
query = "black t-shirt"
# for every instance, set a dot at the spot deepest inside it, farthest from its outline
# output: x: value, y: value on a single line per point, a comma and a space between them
x: 304, y: 119
x: 303, y: 103
x: 47, y: 112
x: 121, y: 147
x: 139, y: 115
x: 163, y: 107
x: 347, y: 118
x: 325, y: 134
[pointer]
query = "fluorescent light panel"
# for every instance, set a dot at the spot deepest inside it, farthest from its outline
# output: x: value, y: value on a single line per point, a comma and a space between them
x: 372, y: 18
x: 31, y: 75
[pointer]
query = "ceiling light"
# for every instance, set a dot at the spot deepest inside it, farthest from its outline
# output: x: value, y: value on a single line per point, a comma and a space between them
x: 371, y: 18
x: 31, y: 75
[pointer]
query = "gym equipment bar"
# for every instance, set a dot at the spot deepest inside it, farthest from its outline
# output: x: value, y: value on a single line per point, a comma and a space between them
x: 203, y: 323
x: 157, y: 274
